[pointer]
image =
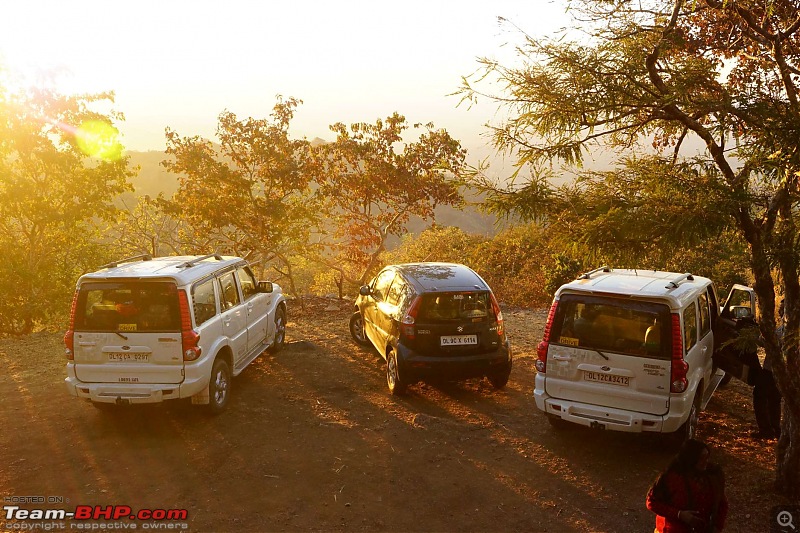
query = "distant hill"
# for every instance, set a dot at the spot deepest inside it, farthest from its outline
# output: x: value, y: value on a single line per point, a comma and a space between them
x: 153, y: 179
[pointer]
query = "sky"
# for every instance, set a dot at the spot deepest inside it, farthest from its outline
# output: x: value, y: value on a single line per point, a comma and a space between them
x: 179, y: 64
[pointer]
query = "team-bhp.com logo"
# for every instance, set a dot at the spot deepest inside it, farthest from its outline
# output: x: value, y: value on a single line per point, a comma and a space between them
x: 96, y: 512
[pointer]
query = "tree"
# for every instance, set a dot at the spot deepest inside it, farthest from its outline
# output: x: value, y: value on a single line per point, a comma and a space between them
x: 146, y: 228
x: 60, y: 171
x: 725, y: 72
x: 370, y: 190
x: 249, y: 193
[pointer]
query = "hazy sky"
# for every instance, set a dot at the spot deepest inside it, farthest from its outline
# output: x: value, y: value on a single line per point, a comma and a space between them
x: 180, y: 63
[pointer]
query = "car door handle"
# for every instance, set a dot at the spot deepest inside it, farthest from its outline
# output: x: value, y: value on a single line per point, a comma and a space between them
x: 705, y: 349
x: 226, y: 321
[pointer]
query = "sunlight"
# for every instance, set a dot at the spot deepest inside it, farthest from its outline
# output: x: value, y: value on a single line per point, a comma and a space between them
x: 99, y: 139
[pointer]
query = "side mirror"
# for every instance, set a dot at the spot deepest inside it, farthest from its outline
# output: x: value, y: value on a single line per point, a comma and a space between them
x: 365, y: 290
x: 265, y: 286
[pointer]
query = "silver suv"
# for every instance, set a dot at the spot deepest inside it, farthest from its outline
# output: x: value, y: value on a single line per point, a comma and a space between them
x: 144, y: 330
x: 630, y: 350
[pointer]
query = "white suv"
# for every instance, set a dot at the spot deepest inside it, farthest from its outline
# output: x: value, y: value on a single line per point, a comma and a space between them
x: 629, y: 350
x: 144, y: 330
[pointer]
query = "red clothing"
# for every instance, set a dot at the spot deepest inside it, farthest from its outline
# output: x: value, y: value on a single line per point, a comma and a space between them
x: 685, y: 493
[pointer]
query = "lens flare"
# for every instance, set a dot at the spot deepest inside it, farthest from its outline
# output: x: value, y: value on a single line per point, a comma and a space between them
x: 99, y: 139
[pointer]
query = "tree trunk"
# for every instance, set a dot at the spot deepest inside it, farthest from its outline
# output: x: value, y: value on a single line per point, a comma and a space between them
x: 788, y: 461
x: 785, y: 365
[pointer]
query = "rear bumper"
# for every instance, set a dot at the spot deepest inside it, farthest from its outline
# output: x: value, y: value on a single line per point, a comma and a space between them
x: 415, y: 365
x: 600, y: 417
x: 132, y: 393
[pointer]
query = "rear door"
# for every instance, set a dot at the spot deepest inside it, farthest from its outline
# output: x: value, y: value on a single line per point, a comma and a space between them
x: 456, y: 323
x: 611, y: 352
x: 234, y: 315
x: 128, y: 332
x: 256, y: 306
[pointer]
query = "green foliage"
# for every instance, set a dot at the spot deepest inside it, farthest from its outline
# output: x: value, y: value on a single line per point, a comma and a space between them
x: 661, y: 71
x: 446, y: 244
x: 370, y: 189
x: 564, y: 269
x: 55, y: 201
x: 250, y: 194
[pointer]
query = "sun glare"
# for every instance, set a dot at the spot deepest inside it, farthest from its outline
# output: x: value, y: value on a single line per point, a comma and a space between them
x: 99, y: 139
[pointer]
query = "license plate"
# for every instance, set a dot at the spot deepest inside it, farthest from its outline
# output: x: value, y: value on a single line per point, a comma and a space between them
x: 125, y: 356
x: 613, y: 379
x: 458, y: 340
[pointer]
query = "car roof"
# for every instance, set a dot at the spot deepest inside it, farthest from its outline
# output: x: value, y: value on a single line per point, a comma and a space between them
x: 678, y: 289
x: 183, y: 269
x: 442, y: 277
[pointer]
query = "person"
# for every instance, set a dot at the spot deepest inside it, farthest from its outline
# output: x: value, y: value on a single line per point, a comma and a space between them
x: 689, y: 496
x: 766, y: 396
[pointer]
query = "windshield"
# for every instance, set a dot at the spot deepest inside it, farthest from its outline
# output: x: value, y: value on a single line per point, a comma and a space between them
x: 614, y: 325
x: 127, y: 306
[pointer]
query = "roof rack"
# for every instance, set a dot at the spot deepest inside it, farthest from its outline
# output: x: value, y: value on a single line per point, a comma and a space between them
x: 115, y: 264
x: 676, y: 282
x: 193, y: 262
x: 588, y: 275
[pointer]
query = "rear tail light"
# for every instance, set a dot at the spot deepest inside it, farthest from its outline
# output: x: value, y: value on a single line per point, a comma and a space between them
x: 407, y: 327
x: 541, y: 350
x: 498, y: 315
x: 680, y: 368
x: 69, y: 336
x: 190, y: 339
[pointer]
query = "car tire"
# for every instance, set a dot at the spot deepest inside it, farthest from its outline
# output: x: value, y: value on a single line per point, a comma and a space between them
x: 357, y: 329
x: 219, y: 387
x: 397, y: 386
x: 500, y: 379
x: 280, y: 331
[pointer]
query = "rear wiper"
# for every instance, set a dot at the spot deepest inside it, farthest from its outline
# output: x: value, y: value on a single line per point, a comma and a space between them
x: 121, y: 335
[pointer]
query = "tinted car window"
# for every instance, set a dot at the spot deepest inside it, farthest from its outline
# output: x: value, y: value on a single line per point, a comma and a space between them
x: 690, y: 326
x: 621, y: 326
x: 381, y: 286
x: 128, y: 306
x: 705, y: 318
x: 454, y: 306
x: 248, y: 282
x: 205, y: 301
x: 396, y: 292
x: 228, y: 294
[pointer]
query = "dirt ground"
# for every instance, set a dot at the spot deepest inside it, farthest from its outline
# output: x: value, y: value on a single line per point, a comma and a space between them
x: 312, y: 441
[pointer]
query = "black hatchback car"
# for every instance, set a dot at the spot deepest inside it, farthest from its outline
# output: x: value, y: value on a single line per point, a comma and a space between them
x: 432, y: 320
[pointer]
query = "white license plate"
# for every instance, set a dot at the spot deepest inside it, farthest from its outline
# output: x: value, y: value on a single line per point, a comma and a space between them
x: 458, y: 340
x: 125, y: 356
x: 613, y: 379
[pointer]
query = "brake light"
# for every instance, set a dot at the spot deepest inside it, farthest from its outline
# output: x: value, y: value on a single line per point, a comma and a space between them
x: 407, y: 327
x: 69, y: 336
x: 498, y: 314
x: 189, y: 337
x: 680, y: 368
x: 541, y: 349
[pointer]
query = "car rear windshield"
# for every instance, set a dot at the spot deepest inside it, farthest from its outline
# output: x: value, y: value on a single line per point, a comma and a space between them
x: 437, y: 307
x: 614, y: 325
x: 128, y: 306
